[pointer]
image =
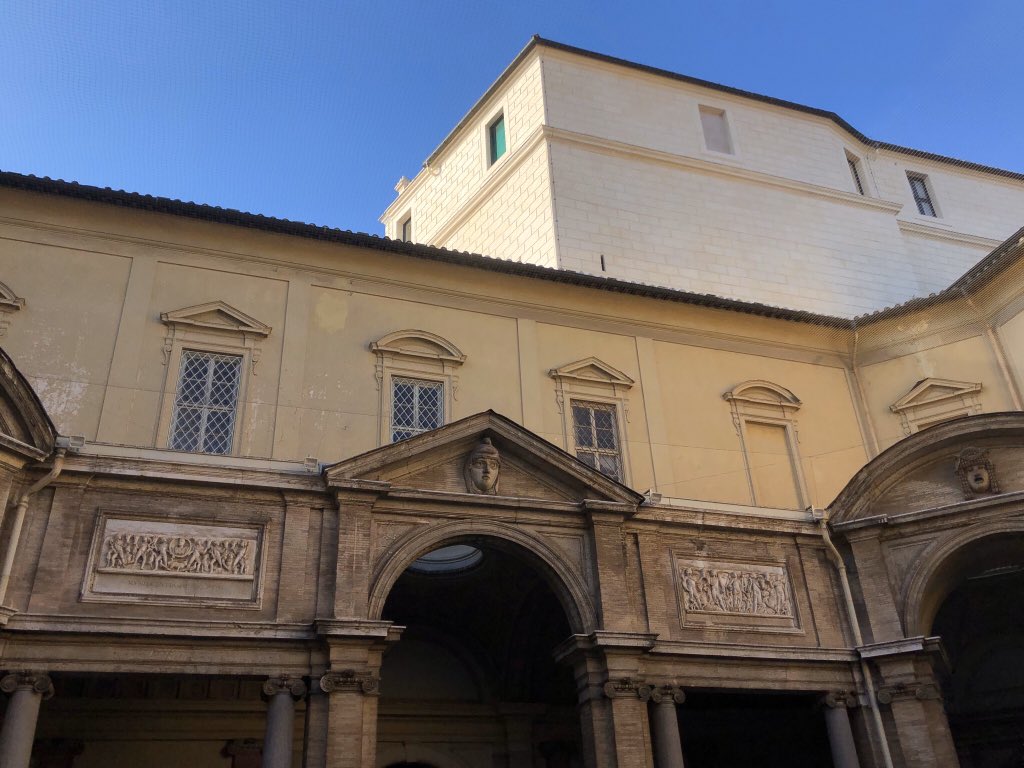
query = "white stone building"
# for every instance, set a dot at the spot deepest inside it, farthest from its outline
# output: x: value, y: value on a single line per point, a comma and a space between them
x: 584, y: 162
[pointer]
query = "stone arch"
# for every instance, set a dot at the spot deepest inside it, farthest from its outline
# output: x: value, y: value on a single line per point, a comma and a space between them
x: 941, y: 567
x: 417, y: 753
x: 25, y: 426
x: 561, y: 577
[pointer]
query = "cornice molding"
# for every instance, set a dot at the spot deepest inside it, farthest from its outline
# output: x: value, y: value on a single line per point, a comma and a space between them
x: 720, y: 169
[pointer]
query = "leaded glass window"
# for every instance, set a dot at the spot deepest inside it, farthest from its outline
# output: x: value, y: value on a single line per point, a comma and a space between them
x: 206, y: 402
x: 597, y: 440
x: 416, y: 406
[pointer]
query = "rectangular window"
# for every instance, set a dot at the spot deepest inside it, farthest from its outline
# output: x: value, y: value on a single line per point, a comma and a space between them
x: 206, y: 402
x: 854, y: 164
x: 496, y: 139
x: 406, y: 229
x: 716, y: 130
x: 597, y: 440
x: 919, y: 186
x: 416, y: 406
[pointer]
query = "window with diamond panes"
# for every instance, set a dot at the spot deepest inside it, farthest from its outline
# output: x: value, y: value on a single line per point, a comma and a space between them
x: 597, y: 439
x: 206, y: 402
x: 416, y: 406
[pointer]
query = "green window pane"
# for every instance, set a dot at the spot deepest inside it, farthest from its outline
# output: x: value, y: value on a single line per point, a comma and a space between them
x: 496, y: 138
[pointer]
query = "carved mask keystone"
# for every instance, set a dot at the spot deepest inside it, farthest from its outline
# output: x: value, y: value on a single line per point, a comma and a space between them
x: 482, y: 468
x: 976, y: 473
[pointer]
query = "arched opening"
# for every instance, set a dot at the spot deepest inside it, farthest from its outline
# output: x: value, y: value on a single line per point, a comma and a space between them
x: 975, y: 603
x: 473, y: 678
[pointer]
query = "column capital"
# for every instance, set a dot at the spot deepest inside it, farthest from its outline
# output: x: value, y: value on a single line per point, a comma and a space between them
x: 887, y: 694
x: 279, y: 684
x: 625, y: 688
x: 840, y: 700
x: 350, y: 681
x: 37, y: 682
x: 663, y: 694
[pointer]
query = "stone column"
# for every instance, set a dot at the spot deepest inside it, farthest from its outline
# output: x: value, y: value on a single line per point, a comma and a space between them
x: 840, y: 734
x: 351, y: 718
x: 668, y: 748
x: 277, y: 741
x: 921, y: 725
x: 27, y: 690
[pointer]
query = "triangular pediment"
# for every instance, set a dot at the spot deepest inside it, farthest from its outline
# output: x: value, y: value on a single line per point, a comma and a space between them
x: 592, y: 369
x: 216, y: 316
x: 435, y: 462
x: 9, y: 300
x: 932, y: 390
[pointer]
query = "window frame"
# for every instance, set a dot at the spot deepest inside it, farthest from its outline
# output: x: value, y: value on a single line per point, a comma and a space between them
x: 763, y: 402
x: 420, y: 355
x: 492, y: 139
x: 437, y: 383
x: 189, y: 329
x: 592, y: 380
x: 856, y: 167
x: 593, y: 406
x: 403, y: 224
x: 730, y: 131
x: 206, y: 407
x: 929, y: 194
x: 499, y: 111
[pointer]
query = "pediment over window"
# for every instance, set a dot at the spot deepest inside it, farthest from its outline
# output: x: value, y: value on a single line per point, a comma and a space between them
x: 215, y: 316
x: 761, y: 392
x: 25, y: 429
x: 932, y: 390
x: 418, y: 344
x: 9, y: 301
x: 435, y: 462
x: 594, y: 371
x: 933, y: 400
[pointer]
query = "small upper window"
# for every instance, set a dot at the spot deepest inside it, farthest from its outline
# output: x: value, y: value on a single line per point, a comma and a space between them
x: 406, y: 229
x: 716, y: 130
x: 416, y: 406
x: 206, y: 402
x: 919, y: 187
x: 496, y: 139
x: 596, y: 436
x: 854, y: 164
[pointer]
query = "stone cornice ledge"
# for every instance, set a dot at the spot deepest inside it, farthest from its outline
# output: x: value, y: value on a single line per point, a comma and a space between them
x: 984, y: 502
x: 898, y: 647
x: 926, y: 230
x: 64, y: 624
x: 748, y: 651
x: 357, y: 628
x: 705, y: 166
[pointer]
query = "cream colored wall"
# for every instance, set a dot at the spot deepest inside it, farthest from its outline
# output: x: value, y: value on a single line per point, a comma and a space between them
x: 970, y: 359
x: 63, y: 338
x: 1011, y: 336
x: 315, y: 393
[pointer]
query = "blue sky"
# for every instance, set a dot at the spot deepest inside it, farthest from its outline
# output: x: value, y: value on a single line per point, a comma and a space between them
x: 311, y: 111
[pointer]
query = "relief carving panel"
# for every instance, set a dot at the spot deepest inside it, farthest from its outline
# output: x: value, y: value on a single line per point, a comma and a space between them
x: 734, y: 594
x: 181, y: 562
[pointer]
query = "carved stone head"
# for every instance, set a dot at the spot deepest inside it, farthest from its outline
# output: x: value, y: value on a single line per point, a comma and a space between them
x: 976, y: 473
x: 482, y: 468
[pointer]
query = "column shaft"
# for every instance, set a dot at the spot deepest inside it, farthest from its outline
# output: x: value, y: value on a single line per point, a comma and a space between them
x: 19, y: 728
x: 277, y: 743
x: 840, y: 738
x: 668, y: 748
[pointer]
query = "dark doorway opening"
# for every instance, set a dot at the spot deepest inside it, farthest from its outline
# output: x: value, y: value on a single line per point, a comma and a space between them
x: 981, y: 623
x: 476, y: 658
x: 737, y: 730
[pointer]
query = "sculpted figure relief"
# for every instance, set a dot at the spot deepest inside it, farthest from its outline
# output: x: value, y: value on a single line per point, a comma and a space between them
x: 176, y: 554
x: 729, y: 590
x: 482, y: 468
